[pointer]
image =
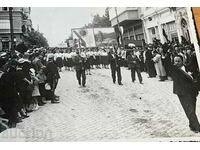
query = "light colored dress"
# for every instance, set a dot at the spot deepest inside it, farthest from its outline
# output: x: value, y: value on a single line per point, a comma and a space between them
x: 160, y: 70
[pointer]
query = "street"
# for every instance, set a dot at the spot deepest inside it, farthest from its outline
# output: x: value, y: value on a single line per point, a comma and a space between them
x: 103, y: 111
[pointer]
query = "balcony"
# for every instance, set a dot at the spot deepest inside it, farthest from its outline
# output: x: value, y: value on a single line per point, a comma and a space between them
x: 125, y: 15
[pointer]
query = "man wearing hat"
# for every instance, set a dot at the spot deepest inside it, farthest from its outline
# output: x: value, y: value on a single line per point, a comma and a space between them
x: 150, y: 64
x: 80, y: 67
x: 52, y: 78
x: 183, y: 87
x: 134, y: 64
x: 37, y: 63
x: 114, y: 61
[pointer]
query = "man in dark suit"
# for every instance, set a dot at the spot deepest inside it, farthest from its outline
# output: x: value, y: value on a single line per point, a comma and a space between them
x: 184, y: 87
x: 150, y: 64
x: 114, y: 61
x: 134, y: 64
x: 80, y: 66
x: 52, y: 78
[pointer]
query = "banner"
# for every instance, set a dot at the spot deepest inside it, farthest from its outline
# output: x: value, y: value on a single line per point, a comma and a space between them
x: 83, y: 37
x: 94, y: 37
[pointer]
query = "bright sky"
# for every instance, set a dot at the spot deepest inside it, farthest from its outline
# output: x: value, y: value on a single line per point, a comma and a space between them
x: 56, y: 22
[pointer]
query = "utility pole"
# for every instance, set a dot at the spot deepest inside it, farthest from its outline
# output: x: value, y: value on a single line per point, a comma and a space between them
x: 11, y: 28
x: 120, y: 33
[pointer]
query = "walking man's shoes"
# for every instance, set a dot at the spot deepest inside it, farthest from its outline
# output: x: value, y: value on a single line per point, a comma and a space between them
x: 194, y: 130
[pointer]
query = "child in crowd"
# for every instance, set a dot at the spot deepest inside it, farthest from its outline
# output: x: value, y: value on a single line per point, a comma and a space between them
x: 42, y: 81
x: 35, y: 92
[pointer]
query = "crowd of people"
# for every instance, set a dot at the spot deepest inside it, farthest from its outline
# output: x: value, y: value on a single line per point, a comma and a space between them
x: 26, y: 82
x: 32, y: 77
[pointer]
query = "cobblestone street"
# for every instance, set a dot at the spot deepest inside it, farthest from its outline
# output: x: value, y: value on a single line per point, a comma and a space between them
x: 103, y: 111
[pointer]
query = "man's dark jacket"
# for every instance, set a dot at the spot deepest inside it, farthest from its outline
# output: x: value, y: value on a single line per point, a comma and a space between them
x: 182, y: 83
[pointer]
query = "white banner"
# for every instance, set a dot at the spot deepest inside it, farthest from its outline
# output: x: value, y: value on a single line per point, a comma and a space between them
x: 84, y: 37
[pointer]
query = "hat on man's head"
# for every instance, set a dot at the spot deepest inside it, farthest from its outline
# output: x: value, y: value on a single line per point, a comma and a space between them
x: 3, y: 54
x: 23, y: 60
x: 50, y: 56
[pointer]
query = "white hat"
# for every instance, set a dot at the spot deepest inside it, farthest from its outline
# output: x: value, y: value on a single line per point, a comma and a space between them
x: 22, y: 60
x: 32, y: 72
x: 3, y: 54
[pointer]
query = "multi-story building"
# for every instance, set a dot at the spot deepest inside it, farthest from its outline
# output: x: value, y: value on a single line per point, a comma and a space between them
x: 169, y: 21
x: 127, y: 21
x: 21, y: 25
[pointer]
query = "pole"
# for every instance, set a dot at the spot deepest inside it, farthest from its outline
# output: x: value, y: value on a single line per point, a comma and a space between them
x: 120, y: 34
x: 93, y: 30
x: 11, y: 28
x: 94, y: 34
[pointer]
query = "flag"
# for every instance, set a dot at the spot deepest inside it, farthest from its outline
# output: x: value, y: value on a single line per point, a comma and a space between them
x: 164, y: 34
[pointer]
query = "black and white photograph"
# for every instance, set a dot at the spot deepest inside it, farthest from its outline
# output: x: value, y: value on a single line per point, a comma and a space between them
x: 99, y: 74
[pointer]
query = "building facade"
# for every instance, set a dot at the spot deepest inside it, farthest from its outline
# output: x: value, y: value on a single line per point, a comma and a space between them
x: 21, y: 25
x: 165, y: 23
x: 126, y: 21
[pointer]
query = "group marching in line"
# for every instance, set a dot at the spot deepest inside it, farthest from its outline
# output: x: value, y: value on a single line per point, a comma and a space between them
x: 28, y: 80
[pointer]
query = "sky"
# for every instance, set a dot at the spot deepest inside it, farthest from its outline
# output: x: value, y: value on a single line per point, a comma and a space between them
x: 56, y: 22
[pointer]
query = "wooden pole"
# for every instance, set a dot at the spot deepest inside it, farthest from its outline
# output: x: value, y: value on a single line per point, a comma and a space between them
x: 11, y: 28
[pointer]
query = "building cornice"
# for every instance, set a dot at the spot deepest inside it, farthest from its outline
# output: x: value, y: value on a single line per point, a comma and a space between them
x: 156, y: 12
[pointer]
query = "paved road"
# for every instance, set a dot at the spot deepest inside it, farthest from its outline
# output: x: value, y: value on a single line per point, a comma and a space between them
x: 104, y: 111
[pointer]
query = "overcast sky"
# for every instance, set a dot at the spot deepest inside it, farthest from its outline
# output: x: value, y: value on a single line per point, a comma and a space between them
x: 56, y: 22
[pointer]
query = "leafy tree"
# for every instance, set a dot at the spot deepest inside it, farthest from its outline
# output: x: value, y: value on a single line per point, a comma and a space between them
x: 100, y: 21
x: 35, y: 39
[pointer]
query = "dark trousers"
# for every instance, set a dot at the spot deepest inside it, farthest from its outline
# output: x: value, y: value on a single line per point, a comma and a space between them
x: 10, y: 109
x: 53, y: 84
x: 133, y: 70
x: 151, y: 69
x: 79, y: 74
x: 117, y: 70
x: 42, y: 89
x: 188, y: 103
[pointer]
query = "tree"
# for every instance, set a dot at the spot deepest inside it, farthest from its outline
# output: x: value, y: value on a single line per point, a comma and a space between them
x: 100, y: 21
x: 35, y: 38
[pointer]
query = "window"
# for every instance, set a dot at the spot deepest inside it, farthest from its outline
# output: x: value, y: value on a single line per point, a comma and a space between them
x: 130, y: 29
x: 4, y: 24
x: 5, y: 46
x: 171, y: 26
x: 183, y: 23
x: 153, y: 31
x: 174, y: 37
x: 5, y: 8
x: 5, y: 43
x: 132, y: 38
x: 139, y: 37
x: 138, y: 27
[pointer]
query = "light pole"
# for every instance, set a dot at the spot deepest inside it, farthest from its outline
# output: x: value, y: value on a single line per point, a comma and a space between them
x: 120, y: 33
x: 11, y: 28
